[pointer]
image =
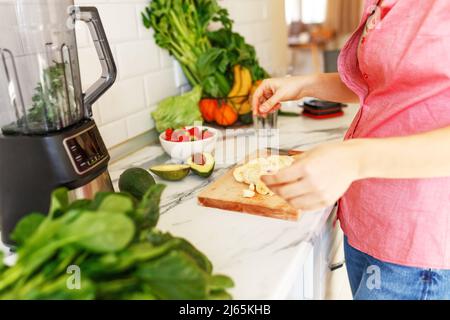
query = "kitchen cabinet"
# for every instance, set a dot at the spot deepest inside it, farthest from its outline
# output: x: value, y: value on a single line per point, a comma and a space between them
x: 313, y: 279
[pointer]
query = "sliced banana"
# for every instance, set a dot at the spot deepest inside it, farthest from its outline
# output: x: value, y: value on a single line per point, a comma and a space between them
x: 246, y: 193
x: 251, y: 173
x: 261, y: 188
x: 238, y: 174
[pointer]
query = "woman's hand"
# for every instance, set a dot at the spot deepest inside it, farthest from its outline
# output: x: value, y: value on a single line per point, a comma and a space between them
x: 272, y: 92
x: 320, y: 177
x: 327, y: 86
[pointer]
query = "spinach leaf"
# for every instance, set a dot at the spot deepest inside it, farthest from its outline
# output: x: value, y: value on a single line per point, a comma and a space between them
x: 82, y: 204
x: 146, y: 215
x: 2, y: 264
x: 219, y: 295
x: 126, y: 259
x: 26, y: 227
x: 159, y: 238
x: 220, y: 282
x: 100, y: 231
x: 116, y: 203
x: 201, y: 260
x: 59, y: 202
x: 174, y: 276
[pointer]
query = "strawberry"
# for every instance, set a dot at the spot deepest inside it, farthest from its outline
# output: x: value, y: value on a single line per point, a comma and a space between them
x: 168, y: 134
x: 206, y: 134
x: 195, y: 133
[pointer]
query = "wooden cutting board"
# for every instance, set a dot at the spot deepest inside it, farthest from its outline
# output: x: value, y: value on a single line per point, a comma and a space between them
x: 226, y: 193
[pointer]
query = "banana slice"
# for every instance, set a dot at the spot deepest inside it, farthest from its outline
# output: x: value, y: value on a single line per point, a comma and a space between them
x: 246, y: 193
x: 238, y: 174
x: 251, y: 173
x: 261, y: 188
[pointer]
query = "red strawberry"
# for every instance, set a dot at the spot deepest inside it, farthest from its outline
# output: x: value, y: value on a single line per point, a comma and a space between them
x: 169, y: 134
x: 207, y: 134
x: 195, y: 133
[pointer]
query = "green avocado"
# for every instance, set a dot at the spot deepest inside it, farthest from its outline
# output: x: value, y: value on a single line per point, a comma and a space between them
x: 136, y: 181
x: 202, y: 164
x: 171, y: 172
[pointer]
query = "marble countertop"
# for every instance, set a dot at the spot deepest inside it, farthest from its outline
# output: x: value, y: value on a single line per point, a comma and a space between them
x: 262, y: 255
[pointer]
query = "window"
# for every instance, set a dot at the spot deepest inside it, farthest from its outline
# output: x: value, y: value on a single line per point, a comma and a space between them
x: 307, y: 11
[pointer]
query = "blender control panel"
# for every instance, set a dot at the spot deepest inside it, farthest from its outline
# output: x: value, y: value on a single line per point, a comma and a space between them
x: 86, y: 150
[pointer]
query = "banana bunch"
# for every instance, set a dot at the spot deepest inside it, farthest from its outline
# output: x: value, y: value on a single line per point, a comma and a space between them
x: 242, y: 87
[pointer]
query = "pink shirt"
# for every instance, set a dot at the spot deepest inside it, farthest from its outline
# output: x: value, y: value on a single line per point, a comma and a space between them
x: 402, y: 76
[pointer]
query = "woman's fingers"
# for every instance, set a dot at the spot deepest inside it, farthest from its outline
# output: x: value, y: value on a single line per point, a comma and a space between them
x: 285, y: 176
x: 266, y: 98
x: 258, y: 97
x: 308, y: 202
x: 293, y: 190
x: 271, y: 103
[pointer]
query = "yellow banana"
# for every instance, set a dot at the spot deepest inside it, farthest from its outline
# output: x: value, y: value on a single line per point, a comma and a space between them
x: 237, y: 81
x: 244, y: 108
x: 246, y: 85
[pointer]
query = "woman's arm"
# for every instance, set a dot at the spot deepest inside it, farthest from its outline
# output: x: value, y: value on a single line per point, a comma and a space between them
x: 327, y: 86
x: 322, y: 175
x: 425, y: 155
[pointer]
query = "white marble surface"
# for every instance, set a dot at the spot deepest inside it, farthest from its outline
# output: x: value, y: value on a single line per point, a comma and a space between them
x: 262, y: 255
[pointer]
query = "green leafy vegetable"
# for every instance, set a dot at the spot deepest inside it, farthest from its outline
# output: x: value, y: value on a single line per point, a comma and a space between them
x: 175, y: 276
x: 46, y: 112
x: 26, y: 227
x: 113, y: 241
x: 237, y: 51
x: 116, y: 203
x: 146, y: 215
x: 178, y: 111
x: 207, y: 58
x: 100, y: 231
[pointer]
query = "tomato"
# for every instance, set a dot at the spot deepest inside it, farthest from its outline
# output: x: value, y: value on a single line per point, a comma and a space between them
x: 208, y: 109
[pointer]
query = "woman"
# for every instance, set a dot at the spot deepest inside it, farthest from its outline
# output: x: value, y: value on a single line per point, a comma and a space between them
x: 391, y: 175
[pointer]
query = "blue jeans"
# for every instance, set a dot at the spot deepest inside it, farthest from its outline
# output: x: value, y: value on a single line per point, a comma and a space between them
x: 372, y: 279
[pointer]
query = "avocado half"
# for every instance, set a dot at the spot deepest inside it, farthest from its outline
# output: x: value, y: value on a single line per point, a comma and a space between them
x: 171, y: 172
x: 202, y: 164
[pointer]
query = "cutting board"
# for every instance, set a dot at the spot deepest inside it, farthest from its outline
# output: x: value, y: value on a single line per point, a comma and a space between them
x: 226, y: 193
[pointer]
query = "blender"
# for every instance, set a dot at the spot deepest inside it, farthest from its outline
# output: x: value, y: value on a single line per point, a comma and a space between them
x: 48, y: 138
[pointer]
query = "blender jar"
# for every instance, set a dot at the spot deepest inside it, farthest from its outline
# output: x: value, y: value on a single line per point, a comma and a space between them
x: 40, y: 85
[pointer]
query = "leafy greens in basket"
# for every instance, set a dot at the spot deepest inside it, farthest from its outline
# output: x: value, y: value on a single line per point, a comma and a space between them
x: 120, y: 255
x: 206, y: 57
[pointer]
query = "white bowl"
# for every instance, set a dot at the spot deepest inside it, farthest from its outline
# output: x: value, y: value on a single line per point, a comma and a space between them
x: 181, y: 151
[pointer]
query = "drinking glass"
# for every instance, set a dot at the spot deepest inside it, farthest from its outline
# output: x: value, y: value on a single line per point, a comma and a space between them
x: 267, y: 125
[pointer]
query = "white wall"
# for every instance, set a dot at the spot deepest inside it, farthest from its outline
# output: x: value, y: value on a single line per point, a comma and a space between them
x: 146, y: 73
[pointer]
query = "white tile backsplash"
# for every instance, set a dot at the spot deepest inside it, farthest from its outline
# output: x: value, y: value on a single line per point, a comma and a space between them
x: 146, y: 72
x: 124, y: 98
x: 114, y: 133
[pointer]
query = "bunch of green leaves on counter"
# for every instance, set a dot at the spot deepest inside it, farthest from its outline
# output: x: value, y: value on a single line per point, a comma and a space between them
x: 120, y: 255
x: 207, y: 58
x: 45, y: 111
x: 178, y: 111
